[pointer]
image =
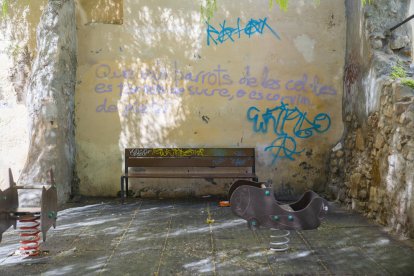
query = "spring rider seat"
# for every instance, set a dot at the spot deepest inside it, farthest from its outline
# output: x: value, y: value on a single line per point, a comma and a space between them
x: 257, y: 204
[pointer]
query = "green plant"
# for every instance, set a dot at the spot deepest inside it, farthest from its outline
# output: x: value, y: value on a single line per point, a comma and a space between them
x: 398, y: 72
x: 283, y: 4
x: 5, y: 7
x: 408, y: 82
x: 364, y: 2
x: 207, y: 10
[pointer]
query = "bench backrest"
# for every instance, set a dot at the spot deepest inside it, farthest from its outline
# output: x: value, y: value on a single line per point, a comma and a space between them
x: 190, y: 157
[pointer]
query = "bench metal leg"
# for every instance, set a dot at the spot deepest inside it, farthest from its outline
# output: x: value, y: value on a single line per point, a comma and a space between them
x: 126, y: 187
x: 122, y: 190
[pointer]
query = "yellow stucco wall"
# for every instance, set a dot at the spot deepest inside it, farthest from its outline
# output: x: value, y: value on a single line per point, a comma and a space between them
x: 155, y: 82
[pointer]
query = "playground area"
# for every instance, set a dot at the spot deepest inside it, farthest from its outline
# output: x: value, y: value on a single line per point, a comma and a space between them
x: 197, y: 237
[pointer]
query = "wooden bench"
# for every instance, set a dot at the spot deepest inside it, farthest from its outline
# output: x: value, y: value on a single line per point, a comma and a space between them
x: 209, y: 163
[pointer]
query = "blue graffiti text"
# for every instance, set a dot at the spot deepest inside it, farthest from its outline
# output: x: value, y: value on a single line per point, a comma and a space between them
x: 224, y: 33
x: 287, y: 124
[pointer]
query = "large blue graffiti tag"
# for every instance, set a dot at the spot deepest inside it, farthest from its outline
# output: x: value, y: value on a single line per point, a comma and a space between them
x: 224, y: 33
x: 288, y: 124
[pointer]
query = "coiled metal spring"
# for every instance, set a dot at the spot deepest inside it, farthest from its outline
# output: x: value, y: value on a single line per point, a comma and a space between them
x: 29, y: 235
x: 279, y: 240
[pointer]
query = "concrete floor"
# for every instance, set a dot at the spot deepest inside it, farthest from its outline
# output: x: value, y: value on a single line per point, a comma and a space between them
x: 164, y: 237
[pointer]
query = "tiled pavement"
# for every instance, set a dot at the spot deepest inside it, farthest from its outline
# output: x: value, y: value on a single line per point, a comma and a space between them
x: 164, y: 237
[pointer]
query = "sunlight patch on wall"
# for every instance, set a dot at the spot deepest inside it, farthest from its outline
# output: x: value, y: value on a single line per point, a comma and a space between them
x: 101, y: 11
x: 146, y: 108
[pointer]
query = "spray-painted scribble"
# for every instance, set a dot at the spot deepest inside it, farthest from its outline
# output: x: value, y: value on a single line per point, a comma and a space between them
x: 178, y: 152
x: 284, y: 146
x: 288, y: 124
x: 139, y: 152
x: 224, y: 33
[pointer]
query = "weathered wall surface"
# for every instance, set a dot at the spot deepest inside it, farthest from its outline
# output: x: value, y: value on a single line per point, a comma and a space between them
x: 371, y: 169
x: 254, y: 77
x: 50, y: 101
x: 17, y: 50
x: 38, y: 48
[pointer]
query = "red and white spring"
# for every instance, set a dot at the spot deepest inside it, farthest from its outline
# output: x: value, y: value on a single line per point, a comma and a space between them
x: 29, y: 235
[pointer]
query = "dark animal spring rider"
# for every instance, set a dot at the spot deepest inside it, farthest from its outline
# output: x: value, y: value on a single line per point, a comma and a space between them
x: 256, y: 203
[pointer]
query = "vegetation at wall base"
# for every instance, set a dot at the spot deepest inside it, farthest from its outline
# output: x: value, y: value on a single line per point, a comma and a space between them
x: 408, y: 82
x: 398, y: 72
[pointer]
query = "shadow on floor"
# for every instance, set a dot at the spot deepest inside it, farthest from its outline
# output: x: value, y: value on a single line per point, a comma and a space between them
x: 165, y: 237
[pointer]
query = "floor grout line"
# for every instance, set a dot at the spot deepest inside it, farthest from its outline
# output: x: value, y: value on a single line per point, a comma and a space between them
x: 78, y: 237
x: 260, y: 240
x: 156, y: 273
x: 309, y: 246
x: 213, y: 247
x: 373, y: 260
x: 134, y: 215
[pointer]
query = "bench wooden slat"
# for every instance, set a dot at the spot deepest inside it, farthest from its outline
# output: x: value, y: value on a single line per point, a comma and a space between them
x: 191, y: 175
x: 190, y: 162
x: 188, y: 152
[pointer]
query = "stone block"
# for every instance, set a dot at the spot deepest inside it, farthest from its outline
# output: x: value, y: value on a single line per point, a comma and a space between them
x: 347, y: 184
x: 362, y: 194
x: 373, y: 206
x: 359, y: 205
x: 402, y: 92
x: 388, y: 112
x: 379, y: 141
x: 376, y: 43
x: 373, y: 193
x: 355, y: 184
x: 407, y: 116
x: 342, y: 195
x: 401, y: 107
x: 410, y: 156
x: 359, y: 140
x: 381, y: 194
x: 339, y: 154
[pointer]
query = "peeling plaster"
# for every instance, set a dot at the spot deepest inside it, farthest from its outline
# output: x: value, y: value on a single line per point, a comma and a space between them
x: 305, y: 45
